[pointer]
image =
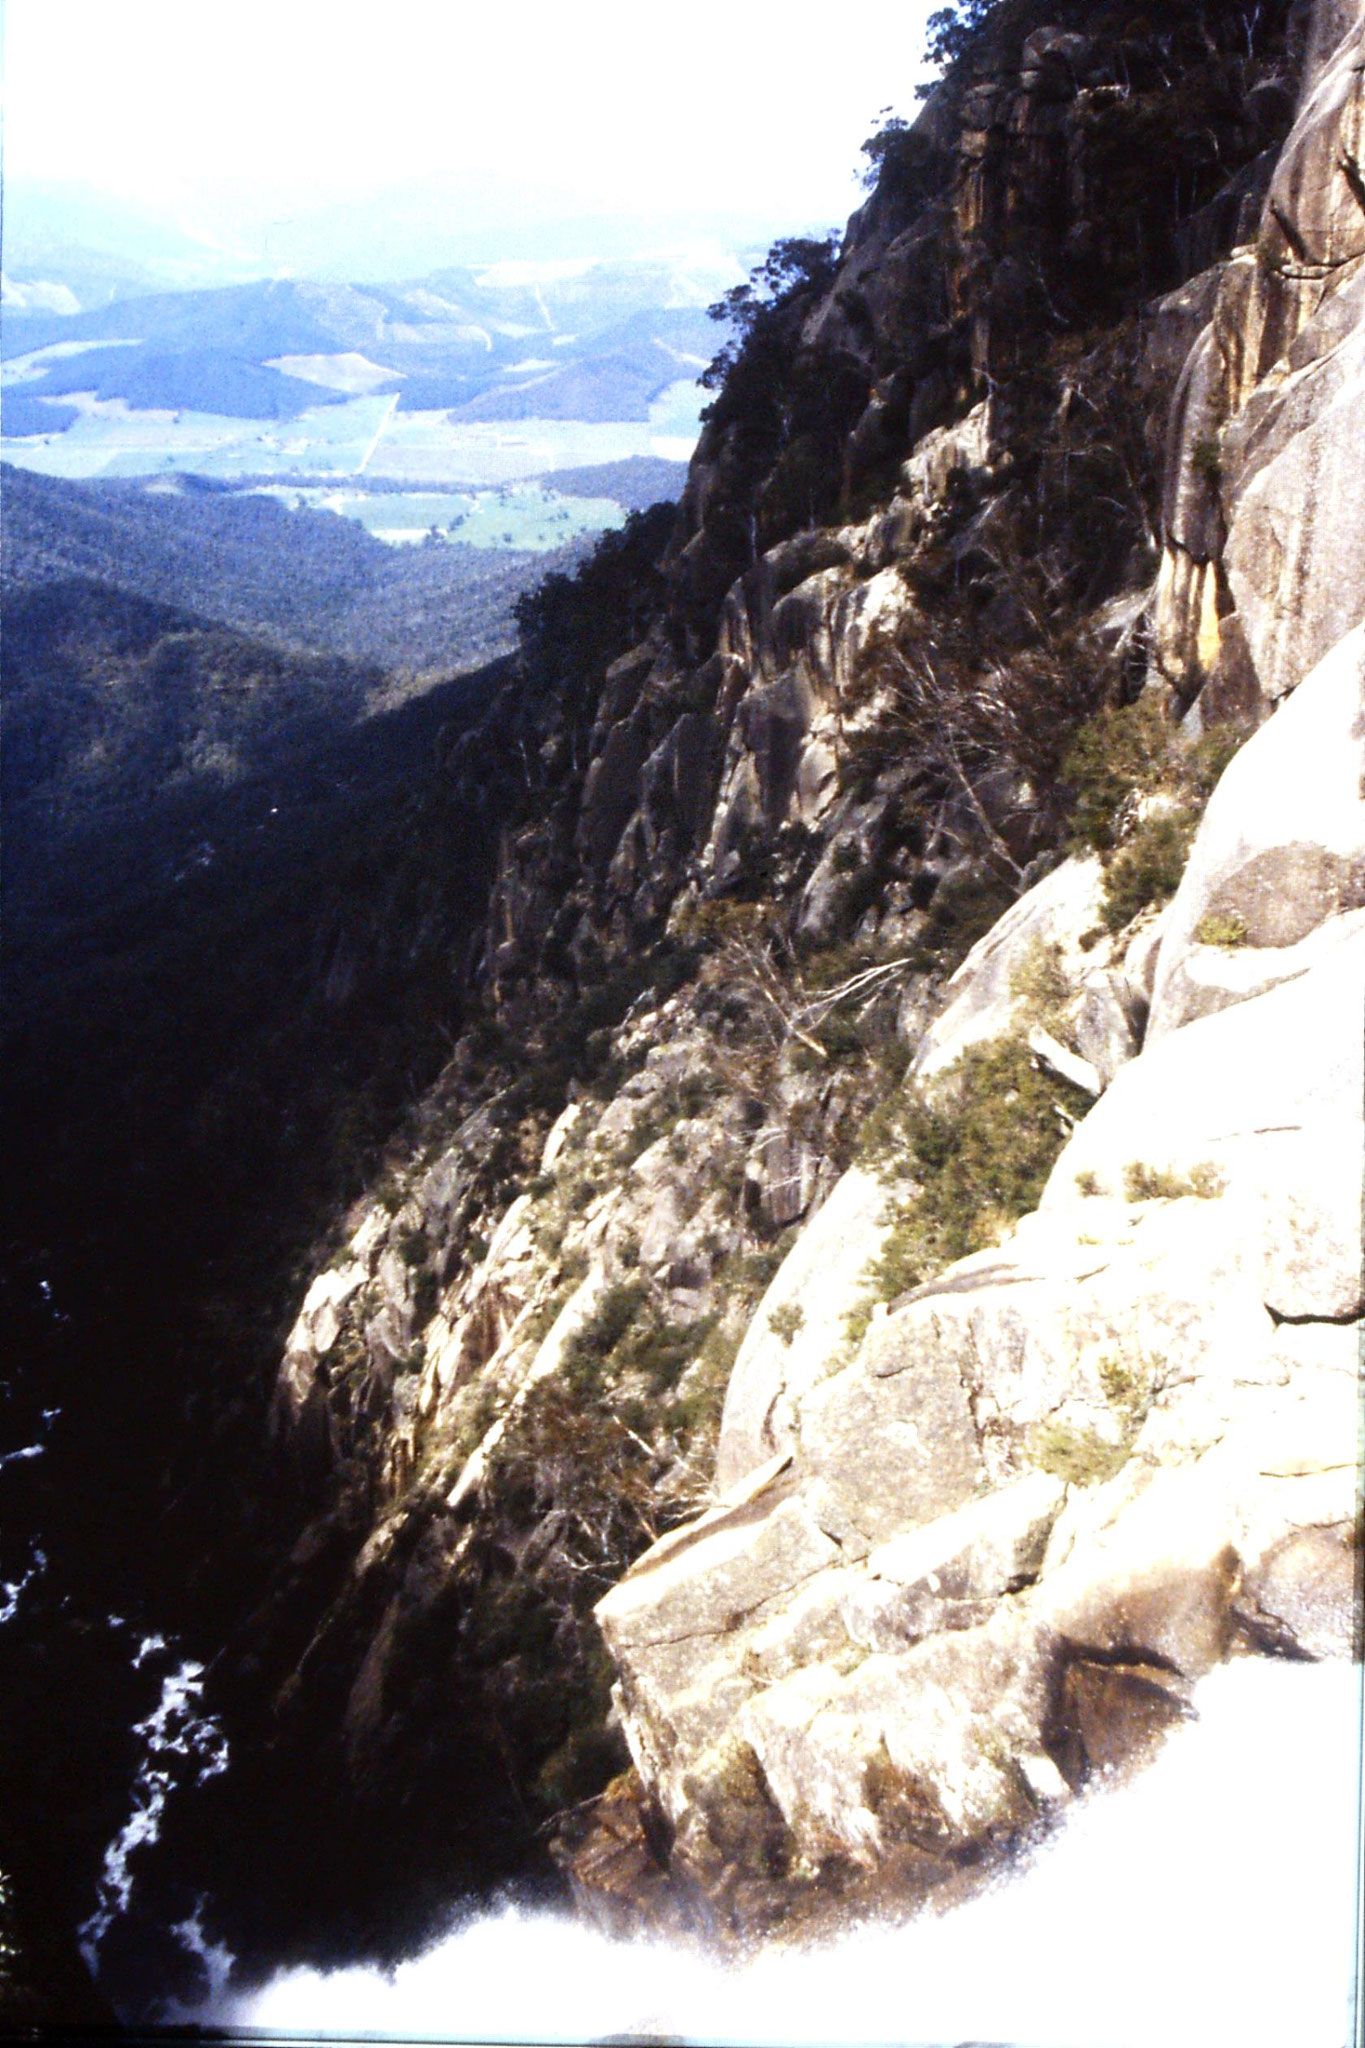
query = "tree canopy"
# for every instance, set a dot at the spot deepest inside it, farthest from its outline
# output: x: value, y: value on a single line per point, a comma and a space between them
x: 793, y: 267
x: 951, y: 29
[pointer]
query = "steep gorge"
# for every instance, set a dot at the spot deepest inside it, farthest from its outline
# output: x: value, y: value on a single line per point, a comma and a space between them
x: 867, y: 1316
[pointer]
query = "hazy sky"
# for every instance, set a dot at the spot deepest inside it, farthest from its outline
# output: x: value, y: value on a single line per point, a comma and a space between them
x: 584, y: 106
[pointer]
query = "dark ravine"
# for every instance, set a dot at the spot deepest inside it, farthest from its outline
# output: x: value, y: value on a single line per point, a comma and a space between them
x: 850, y: 832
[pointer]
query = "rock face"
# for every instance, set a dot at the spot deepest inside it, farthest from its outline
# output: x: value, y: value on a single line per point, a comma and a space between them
x: 1264, y: 544
x: 1279, y: 869
x: 914, y: 1479
x: 995, y: 988
x: 1051, y: 1489
x: 1062, y: 1480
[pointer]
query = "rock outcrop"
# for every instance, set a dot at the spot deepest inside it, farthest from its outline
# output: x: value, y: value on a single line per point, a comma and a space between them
x: 1278, y: 871
x: 893, y: 1252
x: 1262, y: 569
x: 1053, y: 1487
x: 1064, y: 1478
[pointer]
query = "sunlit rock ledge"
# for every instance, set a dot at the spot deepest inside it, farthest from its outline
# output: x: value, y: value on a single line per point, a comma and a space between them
x: 991, y: 1554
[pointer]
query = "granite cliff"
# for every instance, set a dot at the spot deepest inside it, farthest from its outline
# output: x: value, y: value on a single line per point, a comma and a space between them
x: 869, y: 1313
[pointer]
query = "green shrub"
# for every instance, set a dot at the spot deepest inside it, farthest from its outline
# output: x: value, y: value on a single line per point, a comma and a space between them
x: 1128, y: 1388
x: 590, y: 1753
x: 425, y: 1295
x: 1039, y: 983
x: 545, y: 1314
x: 591, y: 1345
x: 647, y: 1126
x: 979, y: 1159
x: 1119, y: 756
x: 1148, y: 866
x: 1219, y: 930
x: 753, y: 1270
x: 473, y: 1413
x: 659, y: 1350
x: 963, y: 909
x: 1207, y: 458
x: 1082, y: 1457
x: 694, y: 1410
x: 827, y: 966
x: 1154, y: 1184
x: 691, y: 1094
x: 413, y: 1248
x: 1121, y: 752
x: 787, y: 1320
x: 1200, y: 768
x: 843, y: 1037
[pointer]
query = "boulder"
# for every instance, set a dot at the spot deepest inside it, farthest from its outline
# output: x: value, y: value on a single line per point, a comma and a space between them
x: 818, y: 1285
x: 962, y: 448
x: 1281, y: 847
x: 949, y: 1572
x: 781, y: 1177
x: 1108, y: 1024
x: 1264, y: 1097
x: 1213, y: 977
x: 890, y: 1442
x: 989, y: 996
x: 1303, y: 1597
x: 905, y: 1750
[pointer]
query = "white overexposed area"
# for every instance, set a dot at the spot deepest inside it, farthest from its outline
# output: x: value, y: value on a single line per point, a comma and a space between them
x: 1211, y: 1903
x: 277, y: 133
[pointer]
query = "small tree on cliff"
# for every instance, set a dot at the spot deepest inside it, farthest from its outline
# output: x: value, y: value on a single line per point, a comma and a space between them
x: 951, y: 29
x: 781, y: 411
x: 794, y: 268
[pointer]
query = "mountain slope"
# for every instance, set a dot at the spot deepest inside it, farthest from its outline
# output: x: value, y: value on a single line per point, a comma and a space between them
x: 911, y: 638
x: 306, y: 581
x: 860, y: 1320
x: 235, y: 910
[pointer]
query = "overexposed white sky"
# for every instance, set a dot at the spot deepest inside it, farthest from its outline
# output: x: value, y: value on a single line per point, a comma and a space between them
x: 574, y: 106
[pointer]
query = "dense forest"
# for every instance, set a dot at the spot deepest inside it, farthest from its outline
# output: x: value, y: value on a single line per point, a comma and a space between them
x: 305, y: 581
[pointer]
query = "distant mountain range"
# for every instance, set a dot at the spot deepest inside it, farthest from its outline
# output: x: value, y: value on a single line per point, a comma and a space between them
x: 339, y: 379
x: 599, y: 343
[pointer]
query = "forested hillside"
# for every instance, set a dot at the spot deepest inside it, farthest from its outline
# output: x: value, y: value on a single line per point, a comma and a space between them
x: 306, y: 581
